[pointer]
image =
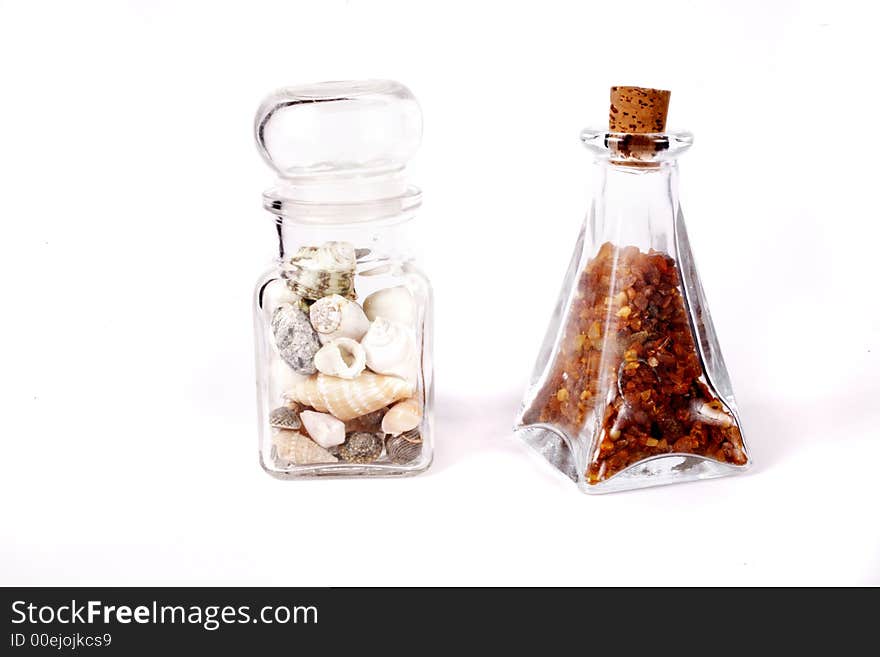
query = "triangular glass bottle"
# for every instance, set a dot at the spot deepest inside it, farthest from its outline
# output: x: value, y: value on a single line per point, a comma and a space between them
x: 630, y: 388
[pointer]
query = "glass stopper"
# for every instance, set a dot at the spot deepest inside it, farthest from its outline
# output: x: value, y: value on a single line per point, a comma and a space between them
x: 349, y: 128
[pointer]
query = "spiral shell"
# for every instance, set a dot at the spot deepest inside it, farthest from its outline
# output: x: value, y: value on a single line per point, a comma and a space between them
x: 335, y: 316
x: 295, y: 338
x: 318, y: 271
x: 391, y: 349
x: 405, y: 448
x: 361, y: 447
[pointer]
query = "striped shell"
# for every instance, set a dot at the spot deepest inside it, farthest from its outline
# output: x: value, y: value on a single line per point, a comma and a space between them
x: 347, y: 399
x: 294, y: 447
x: 361, y: 447
x: 318, y: 271
x: 405, y: 448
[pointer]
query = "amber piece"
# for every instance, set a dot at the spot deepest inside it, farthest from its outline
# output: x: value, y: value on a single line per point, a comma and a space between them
x: 628, y: 348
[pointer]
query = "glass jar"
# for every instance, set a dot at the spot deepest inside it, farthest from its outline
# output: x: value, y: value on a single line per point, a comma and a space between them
x: 343, y: 316
x: 630, y: 388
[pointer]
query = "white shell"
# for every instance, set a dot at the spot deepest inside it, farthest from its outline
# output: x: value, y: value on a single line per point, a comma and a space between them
x: 401, y: 417
x: 334, y: 316
x: 282, y: 378
x: 391, y: 349
x: 323, y: 428
x: 275, y: 293
x: 343, y: 357
x: 393, y: 303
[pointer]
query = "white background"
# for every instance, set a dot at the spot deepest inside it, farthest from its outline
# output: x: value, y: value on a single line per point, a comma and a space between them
x: 133, y: 231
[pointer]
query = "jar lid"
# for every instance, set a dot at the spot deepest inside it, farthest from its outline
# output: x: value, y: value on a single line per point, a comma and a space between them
x: 342, y: 146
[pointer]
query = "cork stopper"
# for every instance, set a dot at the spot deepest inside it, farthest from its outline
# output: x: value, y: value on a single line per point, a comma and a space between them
x: 637, y: 110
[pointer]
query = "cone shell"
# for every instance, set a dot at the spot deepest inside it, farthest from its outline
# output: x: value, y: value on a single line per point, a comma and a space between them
x: 401, y: 417
x: 347, y: 399
x: 297, y: 448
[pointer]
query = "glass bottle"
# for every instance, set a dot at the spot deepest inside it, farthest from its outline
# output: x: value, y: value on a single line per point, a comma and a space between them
x: 343, y: 316
x: 630, y: 389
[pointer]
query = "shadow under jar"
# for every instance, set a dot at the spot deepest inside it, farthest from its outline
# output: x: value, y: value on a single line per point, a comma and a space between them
x: 343, y: 317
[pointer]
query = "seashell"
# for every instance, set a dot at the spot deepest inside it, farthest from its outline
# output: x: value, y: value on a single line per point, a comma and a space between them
x: 401, y: 417
x: 324, y: 429
x: 361, y: 447
x: 335, y: 316
x: 281, y: 378
x: 347, y: 399
x: 371, y: 422
x: 285, y: 417
x: 405, y: 448
x: 391, y: 349
x: 295, y: 338
x: 318, y: 271
x: 276, y: 292
x: 343, y: 357
x: 300, y: 450
x: 335, y: 256
x: 395, y: 304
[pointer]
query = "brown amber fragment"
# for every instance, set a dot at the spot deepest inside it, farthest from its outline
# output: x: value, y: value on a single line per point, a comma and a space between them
x: 628, y: 348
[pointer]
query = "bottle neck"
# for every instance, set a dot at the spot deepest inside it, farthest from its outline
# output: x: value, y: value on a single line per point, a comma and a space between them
x: 635, y: 205
x: 388, y: 239
x: 342, y: 199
